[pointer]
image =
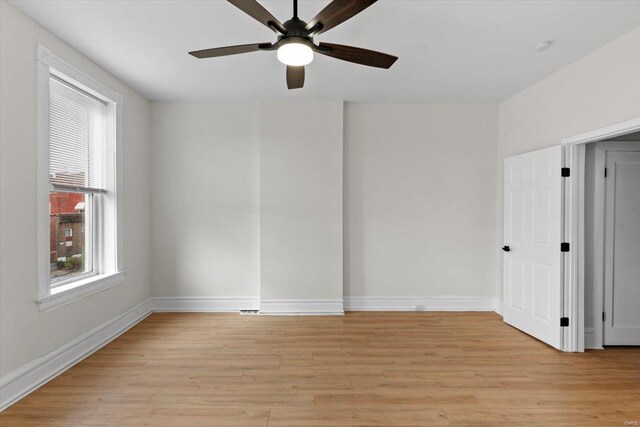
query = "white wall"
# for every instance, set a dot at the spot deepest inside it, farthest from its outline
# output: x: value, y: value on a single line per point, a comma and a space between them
x: 205, y: 203
x: 253, y: 205
x: 600, y: 89
x: 419, y: 200
x: 301, y: 200
x: 247, y: 200
x: 25, y: 332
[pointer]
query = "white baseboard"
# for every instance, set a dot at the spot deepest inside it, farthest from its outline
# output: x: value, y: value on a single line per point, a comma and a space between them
x: 311, y: 307
x: 29, y: 377
x: 590, y: 340
x: 204, y: 304
x: 419, y: 304
x: 499, y: 306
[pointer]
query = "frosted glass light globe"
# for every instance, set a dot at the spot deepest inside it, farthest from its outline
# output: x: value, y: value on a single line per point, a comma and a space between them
x: 296, y: 54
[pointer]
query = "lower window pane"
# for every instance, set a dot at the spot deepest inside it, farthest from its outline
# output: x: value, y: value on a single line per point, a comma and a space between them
x: 70, y: 236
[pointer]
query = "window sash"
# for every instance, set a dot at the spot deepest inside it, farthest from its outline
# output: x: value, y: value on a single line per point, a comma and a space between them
x: 77, y: 88
x: 81, y: 153
x: 62, y: 282
x: 74, y: 189
x: 80, y: 149
x: 93, y: 239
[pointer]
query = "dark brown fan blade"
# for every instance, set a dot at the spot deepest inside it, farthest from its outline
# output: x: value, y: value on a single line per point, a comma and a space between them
x: 259, y: 13
x: 228, y: 50
x: 357, y: 55
x: 337, y: 12
x: 295, y: 77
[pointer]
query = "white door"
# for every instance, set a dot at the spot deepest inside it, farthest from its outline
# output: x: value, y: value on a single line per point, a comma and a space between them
x: 622, y: 249
x: 532, y: 299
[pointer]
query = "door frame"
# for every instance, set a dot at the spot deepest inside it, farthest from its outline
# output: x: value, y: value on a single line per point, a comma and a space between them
x: 573, y: 149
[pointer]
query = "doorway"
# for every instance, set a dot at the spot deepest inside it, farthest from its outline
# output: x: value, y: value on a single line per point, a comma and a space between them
x: 583, y: 303
x: 612, y: 242
x: 546, y: 259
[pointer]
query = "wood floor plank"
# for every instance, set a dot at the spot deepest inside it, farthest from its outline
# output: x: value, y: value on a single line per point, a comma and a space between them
x: 363, y: 369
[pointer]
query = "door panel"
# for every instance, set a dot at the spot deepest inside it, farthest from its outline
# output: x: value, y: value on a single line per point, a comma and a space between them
x: 517, y: 276
x: 532, y: 230
x: 517, y: 202
x: 541, y: 290
x: 622, y: 249
x: 541, y: 226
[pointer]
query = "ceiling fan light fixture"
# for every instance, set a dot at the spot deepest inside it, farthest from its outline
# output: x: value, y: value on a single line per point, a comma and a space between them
x: 295, y: 54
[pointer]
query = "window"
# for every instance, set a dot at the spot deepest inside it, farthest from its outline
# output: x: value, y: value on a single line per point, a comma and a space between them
x: 79, y: 215
x: 79, y: 155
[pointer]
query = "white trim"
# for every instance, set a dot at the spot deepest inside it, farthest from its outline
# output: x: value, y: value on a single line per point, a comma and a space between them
x: 204, y: 304
x: 29, y: 377
x: 591, y: 341
x: 311, y: 307
x: 79, y: 289
x: 572, y: 298
x: 499, y: 306
x: 411, y: 303
x: 119, y: 186
x: 42, y: 176
x: 574, y: 226
x: 99, y: 90
x: 596, y: 338
x: 607, y: 132
x: 109, y: 250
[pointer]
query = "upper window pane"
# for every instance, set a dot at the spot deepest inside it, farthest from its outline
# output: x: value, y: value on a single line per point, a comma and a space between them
x: 77, y: 137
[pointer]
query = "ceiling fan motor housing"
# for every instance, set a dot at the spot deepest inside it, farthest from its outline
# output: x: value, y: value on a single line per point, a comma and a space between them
x: 296, y: 33
x: 296, y: 28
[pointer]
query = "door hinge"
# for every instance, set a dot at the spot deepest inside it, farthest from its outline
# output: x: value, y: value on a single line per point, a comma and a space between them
x: 565, y: 172
x: 564, y: 322
x: 564, y: 247
x: 605, y: 172
x: 604, y: 316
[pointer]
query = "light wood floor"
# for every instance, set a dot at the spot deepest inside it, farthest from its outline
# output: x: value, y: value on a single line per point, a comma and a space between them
x: 369, y: 369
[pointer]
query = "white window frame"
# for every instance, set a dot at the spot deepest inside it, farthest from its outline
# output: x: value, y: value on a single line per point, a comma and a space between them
x: 109, y: 261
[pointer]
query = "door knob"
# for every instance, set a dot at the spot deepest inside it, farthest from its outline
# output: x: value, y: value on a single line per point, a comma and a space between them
x: 506, y: 248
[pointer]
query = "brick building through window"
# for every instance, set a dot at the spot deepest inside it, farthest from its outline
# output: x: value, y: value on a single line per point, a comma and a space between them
x: 67, y: 228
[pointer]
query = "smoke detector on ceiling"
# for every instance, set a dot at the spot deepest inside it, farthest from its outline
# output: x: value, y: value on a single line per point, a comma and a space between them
x: 544, y: 45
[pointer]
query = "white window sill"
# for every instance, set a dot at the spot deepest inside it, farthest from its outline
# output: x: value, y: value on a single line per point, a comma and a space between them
x: 80, y: 289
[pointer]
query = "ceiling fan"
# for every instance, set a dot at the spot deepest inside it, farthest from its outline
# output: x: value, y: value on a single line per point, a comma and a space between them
x: 295, y: 43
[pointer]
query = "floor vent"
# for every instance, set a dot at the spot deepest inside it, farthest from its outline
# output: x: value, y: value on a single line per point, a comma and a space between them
x: 248, y: 312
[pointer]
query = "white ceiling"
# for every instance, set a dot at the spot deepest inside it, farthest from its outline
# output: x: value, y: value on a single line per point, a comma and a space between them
x: 450, y: 51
